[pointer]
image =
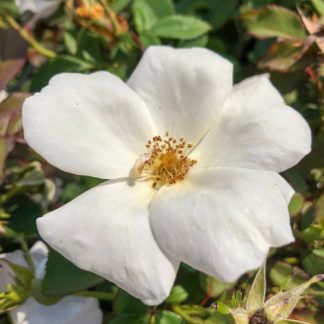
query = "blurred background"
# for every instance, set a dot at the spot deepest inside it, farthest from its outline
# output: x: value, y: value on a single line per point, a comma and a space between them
x: 41, y: 38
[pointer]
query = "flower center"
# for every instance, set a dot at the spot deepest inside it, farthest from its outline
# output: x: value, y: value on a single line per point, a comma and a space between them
x: 166, y: 162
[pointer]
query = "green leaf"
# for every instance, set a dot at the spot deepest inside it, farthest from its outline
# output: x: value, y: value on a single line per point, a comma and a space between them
x: 221, y: 12
x: 313, y: 233
x: 286, y: 276
x: 180, y: 27
x: 273, y: 21
x: 126, y: 303
x: 60, y: 64
x: 147, y: 39
x: 257, y: 292
x: 148, y: 12
x: 23, y: 214
x: 312, y: 263
x: 296, y: 204
x: 131, y: 319
x: 196, y: 42
x: 166, y: 317
x: 216, y: 12
x: 281, y: 305
x: 70, y: 42
x: 19, y: 290
x: 214, y: 287
x: 281, y: 56
x: 62, y: 277
x: 319, y: 6
x: 119, y: 5
x: 177, y: 295
x: 289, y: 321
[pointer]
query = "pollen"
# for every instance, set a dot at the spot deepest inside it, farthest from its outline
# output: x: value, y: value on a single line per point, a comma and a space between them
x: 167, y: 160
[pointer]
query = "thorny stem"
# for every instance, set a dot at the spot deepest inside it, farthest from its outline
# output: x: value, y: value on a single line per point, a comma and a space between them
x: 30, y: 39
x: 27, y: 256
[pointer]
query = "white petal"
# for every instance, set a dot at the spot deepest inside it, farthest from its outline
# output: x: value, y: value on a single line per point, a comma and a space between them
x: 106, y: 230
x: 223, y: 221
x: 69, y: 310
x: 88, y: 124
x: 182, y: 88
x: 42, y: 8
x: 39, y: 254
x: 255, y: 130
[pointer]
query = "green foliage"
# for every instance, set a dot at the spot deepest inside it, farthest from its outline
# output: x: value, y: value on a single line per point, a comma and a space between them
x: 273, y: 21
x: 17, y: 291
x: 179, y: 27
x: 62, y: 277
x: 258, y: 36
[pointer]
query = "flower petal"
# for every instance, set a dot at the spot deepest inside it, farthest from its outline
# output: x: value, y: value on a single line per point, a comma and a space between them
x: 39, y: 254
x: 182, y: 88
x: 255, y: 130
x: 69, y: 310
x: 222, y: 221
x: 88, y: 124
x: 106, y: 230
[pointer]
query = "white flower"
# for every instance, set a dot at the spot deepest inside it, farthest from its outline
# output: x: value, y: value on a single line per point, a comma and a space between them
x: 218, y: 205
x: 40, y: 8
x: 69, y: 310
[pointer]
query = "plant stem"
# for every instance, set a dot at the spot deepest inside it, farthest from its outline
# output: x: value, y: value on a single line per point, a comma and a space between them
x: 27, y: 256
x: 30, y: 39
x: 185, y: 316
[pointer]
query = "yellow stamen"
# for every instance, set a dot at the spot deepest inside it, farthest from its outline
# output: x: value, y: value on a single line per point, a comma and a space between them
x: 166, y: 161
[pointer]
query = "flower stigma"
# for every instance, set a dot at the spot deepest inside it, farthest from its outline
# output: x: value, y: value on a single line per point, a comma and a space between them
x: 166, y: 161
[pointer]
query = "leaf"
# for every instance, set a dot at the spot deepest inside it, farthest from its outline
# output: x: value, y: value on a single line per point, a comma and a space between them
x: 289, y: 321
x: 319, y: 6
x: 131, y: 319
x: 240, y: 316
x: 281, y: 56
x: 19, y: 290
x: 177, y: 295
x: 200, y: 41
x: 281, y: 305
x: 257, y: 292
x: 119, y: 5
x: 60, y: 64
x: 312, y: 263
x: 273, y: 21
x: 214, y: 287
x: 23, y: 214
x: 221, y: 12
x: 128, y: 304
x: 166, y: 317
x: 217, y: 12
x: 286, y: 276
x: 62, y: 277
x: 70, y: 42
x: 180, y: 27
x: 296, y: 204
x: 148, y: 12
x: 147, y: 39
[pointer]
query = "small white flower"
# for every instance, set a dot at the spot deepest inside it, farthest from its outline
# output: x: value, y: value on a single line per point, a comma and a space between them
x: 209, y: 195
x: 40, y: 8
x: 69, y: 310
